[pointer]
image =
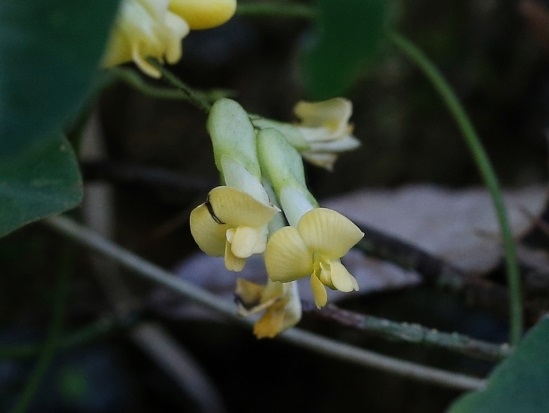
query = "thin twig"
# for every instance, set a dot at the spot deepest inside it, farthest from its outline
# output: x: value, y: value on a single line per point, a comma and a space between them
x: 130, y: 173
x: 302, y: 338
x: 135, y: 80
x: 414, y: 333
x: 435, y: 271
x: 369, y: 359
x: 410, y: 257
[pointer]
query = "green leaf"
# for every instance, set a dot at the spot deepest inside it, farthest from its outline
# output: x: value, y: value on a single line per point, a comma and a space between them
x: 519, y: 384
x: 49, y: 51
x: 45, y: 183
x: 348, y: 35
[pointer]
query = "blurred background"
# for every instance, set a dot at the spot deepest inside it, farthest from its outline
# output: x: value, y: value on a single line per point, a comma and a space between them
x: 148, y: 162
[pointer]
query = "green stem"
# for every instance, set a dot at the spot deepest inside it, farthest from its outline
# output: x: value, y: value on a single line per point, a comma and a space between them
x: 195, y: 97
x: 50, y: 345
x: 486, y: 171
x: 276, y: 10
x: 133, y: 79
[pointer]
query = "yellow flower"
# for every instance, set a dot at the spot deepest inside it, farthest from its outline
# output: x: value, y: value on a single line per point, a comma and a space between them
x: 325, y: 127
x: 145, y: 28
x: 204, y: 14
x: 232, y: 224
x: 155, y: 28
x: 280, y: 303
x: 314, y: 247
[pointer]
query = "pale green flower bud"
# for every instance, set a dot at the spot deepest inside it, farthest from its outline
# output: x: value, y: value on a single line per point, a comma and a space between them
x: 234, y: 146
x: 282, y: 166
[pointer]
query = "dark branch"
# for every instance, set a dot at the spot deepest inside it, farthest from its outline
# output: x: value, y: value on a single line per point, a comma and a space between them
x: 412, y: 333
x: 127, y: 173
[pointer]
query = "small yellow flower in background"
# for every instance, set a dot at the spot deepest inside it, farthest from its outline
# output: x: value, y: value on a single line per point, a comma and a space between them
x: 280, y: 303
x: 155, y: 28
x: 325, y: 127
x: 314, y: 247
x: 231, y: 224
x: 145, y: 28
x: 204, y: 14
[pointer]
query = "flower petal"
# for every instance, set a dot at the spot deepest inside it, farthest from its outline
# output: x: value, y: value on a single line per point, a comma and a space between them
x: 332, y: 114
x: 327, y: 232
x: 288, y: 305
x: 342, y: 280
x: 248, y: 294
x: 319, y: 292
x: 246, y: 241
x: 292, y: 310
x: 176, y: 29
x: 287, y: 258
x: 204, y: 14
x: 314, y: 135
x: 271, y: 323
x: 232, y: 262
x: 290, y: 132
x: 344, y: 144
x: 234, y: 207
x: 208, y: 234
x: 323, y: 160
x: 324, y: 273
x: 273, y: 290
x: 145, y: 28
x: 139, y: 58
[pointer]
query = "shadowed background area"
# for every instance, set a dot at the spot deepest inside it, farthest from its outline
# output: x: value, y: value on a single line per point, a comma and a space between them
x: 153, y: 162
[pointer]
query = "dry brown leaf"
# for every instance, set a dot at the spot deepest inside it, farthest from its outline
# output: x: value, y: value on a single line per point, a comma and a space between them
x: 456, y: 225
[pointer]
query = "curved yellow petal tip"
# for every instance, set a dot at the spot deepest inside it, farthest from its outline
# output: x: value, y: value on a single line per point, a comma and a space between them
x: 246, y: 241
x: 232, y: 262
x: 204, y: 14
x: 270, y: 324
x: 208, y: 234
x: 341, y: 278
x: 235, y: 207
x: 319, y: 292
